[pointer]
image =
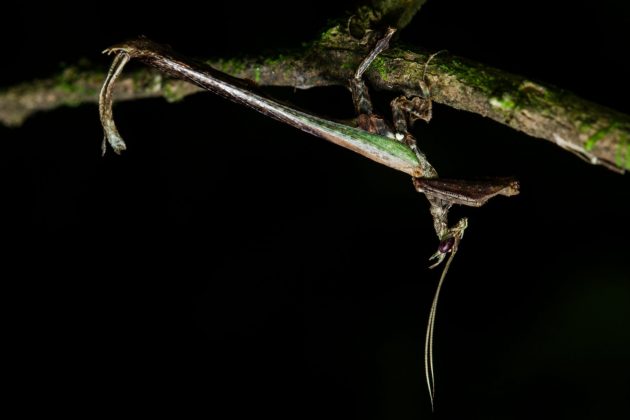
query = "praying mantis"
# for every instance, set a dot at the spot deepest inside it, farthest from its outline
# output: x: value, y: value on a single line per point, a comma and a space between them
x: 387, y: 143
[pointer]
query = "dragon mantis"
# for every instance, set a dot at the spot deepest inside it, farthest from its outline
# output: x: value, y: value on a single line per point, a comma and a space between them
x: 372, y: 136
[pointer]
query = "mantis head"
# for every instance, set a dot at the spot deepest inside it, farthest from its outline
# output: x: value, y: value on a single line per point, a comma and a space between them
x: 449, y: 242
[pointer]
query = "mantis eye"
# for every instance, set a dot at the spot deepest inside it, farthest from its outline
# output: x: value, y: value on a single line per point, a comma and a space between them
x: 446, y: 245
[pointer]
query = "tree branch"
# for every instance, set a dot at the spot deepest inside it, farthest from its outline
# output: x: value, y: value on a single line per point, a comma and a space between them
x: 593, y: 132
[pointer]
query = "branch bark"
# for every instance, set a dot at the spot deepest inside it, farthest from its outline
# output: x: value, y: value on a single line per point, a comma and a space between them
x: 593, y: 132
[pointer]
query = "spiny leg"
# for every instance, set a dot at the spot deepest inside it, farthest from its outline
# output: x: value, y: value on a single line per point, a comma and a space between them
x: 406, y: 111
x: 360, y: 94
x: 366, y: 119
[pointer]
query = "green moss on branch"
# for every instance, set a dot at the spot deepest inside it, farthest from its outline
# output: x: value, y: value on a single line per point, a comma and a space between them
x: 596, y: 133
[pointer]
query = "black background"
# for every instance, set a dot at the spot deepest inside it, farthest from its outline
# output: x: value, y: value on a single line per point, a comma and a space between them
x: 237, y: 267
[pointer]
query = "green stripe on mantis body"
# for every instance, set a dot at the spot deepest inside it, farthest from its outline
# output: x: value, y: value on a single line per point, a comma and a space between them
x: 385, y: 144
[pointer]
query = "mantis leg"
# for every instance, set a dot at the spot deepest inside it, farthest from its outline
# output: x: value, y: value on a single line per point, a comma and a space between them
x: 360, y: 95
x: 407, y: 110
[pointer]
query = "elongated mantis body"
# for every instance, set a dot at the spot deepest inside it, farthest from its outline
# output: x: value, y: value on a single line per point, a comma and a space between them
x: 373, y: 137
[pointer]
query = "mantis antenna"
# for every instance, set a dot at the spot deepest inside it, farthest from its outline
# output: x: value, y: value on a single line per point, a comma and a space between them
x: 428, y: 341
